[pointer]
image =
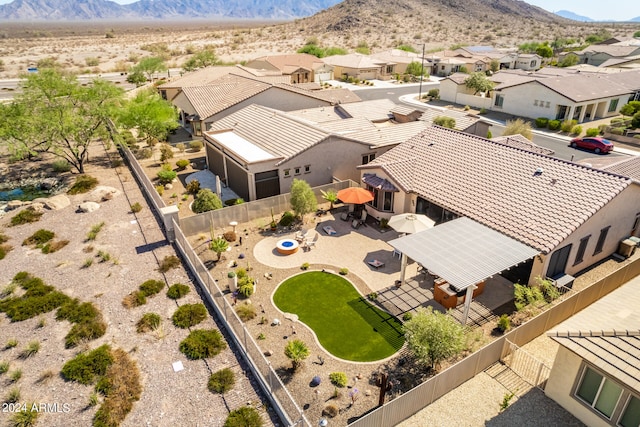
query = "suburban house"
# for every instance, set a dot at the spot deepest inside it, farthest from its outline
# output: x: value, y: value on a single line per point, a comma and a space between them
x: 563, y: 96
x: 200, y: 106
x: 598, y: 54
x: 573, y: 215
x: 596, y: 372
x: 399, y: 59
x: 257, y: 151
x: 360, y: 66
x: 479, y: 58
x: 302, y: 67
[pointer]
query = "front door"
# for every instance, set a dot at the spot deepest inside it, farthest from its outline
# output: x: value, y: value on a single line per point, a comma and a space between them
x: 558, y: 261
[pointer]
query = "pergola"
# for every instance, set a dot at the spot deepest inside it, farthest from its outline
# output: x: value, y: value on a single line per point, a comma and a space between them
x: 463, y: 252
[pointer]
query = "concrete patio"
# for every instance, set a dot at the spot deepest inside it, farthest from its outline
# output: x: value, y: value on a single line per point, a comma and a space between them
x: 353, y: 248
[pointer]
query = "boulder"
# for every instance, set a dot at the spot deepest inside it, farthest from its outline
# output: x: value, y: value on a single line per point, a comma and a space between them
x: 36, y: 207
x: 56, y: 203
x: 168, y: 187
x: 87, y: 207
x: 14, y: 204
x: 102, y: 193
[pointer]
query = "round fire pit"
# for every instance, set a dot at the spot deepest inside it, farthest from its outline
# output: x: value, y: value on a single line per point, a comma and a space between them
x: 287, y: 246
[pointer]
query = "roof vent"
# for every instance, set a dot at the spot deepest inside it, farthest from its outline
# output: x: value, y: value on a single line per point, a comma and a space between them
x: 539, y: 171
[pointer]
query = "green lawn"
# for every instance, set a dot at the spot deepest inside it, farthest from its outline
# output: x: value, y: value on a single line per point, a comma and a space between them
x: 345, y: 323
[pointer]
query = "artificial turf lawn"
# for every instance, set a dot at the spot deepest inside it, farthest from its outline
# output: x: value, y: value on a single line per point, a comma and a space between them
x: 345, y: 323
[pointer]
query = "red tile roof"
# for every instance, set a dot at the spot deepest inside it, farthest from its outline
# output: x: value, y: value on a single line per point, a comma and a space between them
x: 533, y: 198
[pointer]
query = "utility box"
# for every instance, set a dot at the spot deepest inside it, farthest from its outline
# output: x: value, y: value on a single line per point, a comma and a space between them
x: 626, y: 248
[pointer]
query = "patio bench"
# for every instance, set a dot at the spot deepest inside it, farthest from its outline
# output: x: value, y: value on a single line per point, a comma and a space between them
x: 375, y: 263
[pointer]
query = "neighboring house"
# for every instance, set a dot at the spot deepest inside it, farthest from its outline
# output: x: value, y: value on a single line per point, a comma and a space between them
x: 528, y: 61
x: 302, y: 67
x: 360, y: 66
x: 569, y: 95
x: 200, y: 106
x: 399, y: 59
x: 573, y: 215
x: 319, y: 145
x: 596, y: 372
x: 598, y: 54
x: 630, y: 63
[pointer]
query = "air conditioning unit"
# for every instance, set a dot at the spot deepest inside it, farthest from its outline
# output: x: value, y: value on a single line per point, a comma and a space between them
x: 626, y: 248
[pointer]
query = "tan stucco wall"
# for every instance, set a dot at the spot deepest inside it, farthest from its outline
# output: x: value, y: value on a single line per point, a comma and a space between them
x: 619, y: 213
x: 559, y: 387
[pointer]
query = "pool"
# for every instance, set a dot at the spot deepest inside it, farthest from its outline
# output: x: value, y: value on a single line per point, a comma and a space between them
x: 287, y: 246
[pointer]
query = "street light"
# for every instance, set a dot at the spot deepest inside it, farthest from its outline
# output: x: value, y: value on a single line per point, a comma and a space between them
x: 421, y: 73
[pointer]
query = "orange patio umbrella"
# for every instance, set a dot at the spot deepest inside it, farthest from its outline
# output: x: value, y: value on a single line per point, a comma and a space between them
x: 356, y: 195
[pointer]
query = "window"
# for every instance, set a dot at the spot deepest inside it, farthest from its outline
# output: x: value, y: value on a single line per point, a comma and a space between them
x: 389, y: 69
x: 581, y: 249
x: 599, y: 392
x: 287, y: 173
x: 382, y: 200
x: 548, y: 104
x: 535, y: 103
x: 533, y: 63
x: 296, y: 170
x: 601, y: 240
x: 368, y: 157
x: 307, y: 168
x: 613, y: 105
x: 163, y: 94
x: 636, y: 222
x: 631, y: 415
x: 499, y: 100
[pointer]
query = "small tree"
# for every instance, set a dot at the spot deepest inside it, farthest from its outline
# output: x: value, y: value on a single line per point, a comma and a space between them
x: 297, y: 351
x: 330, y: 196
x: 444, y: 121
x: 219, y: 246
x: 206, y: 200
x: 518, y: 126
x: 494, y: 65
x: 150, y: 66
x: 303, y: 199
x: 416, y: 68
x: 433, y: 336
x: 479, y: 82
x: 569, y: 60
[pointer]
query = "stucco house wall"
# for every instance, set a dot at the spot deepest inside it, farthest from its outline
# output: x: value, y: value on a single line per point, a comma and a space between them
x: 450, y: 91
x: 561, y: 383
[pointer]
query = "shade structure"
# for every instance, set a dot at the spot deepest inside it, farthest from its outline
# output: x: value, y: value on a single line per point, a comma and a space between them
x: 410, y: 223
x: 356, y: 195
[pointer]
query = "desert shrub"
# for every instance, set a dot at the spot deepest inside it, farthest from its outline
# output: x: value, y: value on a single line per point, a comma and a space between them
x: 338, y: 379
x: 567, y: 125
x: 304, y: 266
x: 221, y: 381
x: 151, y: 287
x: 554, y: 124
x: 177, y: 291
x: 39, y: 238
x: 617, y: 120
x: 202, y: 343
x: 85, y: 331
x: 85, y: 368
x: 169, y: 262
x: 244, y: 416
x: 181, y: 146
x: 4, y: 367
x: 26, y: 417
x: 344, y: 271
x: 527, y: 295
x: 189, y: 315
x: 38, y: 299
x: 166, y: 152
x: 4, y: 250
x: 444, y: 121
x: 246, y: 288
x: 230, y: 236
x: 246, y: 312
x: 434, y: 93
x: 330, y: 411
x: 593, y: 132
x: 83, y: 184
x: 136, y: 207
x: 196, y: 145
x: 95, y: 229
x: 25, y: 216
x: 77, y: 312
x: 32, y: 348
x: 148, y: 322
x: 407, y: 316
x: 504, y: 323
x: 206, y: 200
x: 241, y: 273
x: 134, y: 299
x: 576, y: 130
x: 617, y: 131
x: 54, y: 246
x: 542, y: 122
x: 287, y: 219
x: 166, y: 176
x: 232, y: 202
x: 160, y: 189
x: 60, y: 166
x: 144, y: 153
x: 182, y: 164
x: 193, y: 186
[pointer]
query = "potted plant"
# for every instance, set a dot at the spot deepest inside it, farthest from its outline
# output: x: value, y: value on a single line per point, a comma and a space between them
x: 233, y: 281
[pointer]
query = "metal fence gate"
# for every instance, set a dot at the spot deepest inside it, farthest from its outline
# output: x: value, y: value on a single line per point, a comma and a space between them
x: 525, y: 365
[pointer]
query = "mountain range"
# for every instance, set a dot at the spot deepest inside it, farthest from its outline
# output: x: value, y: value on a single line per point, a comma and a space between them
x: 77, y: 10
x: 574, y: 16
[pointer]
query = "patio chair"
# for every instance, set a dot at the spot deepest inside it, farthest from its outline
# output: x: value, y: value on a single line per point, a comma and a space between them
x: 300, y: 235
x: 311, y: 242
x: 358, y: 222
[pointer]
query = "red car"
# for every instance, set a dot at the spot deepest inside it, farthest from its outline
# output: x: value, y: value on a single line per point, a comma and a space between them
x: 597, y: 144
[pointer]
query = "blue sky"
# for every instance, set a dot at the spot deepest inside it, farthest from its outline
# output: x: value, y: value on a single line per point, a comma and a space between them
x: 596, y: 9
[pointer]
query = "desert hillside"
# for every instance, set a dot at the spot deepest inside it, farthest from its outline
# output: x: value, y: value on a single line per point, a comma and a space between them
x: 100, y: 47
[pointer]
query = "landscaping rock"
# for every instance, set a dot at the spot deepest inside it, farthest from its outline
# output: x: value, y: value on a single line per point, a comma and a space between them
x: 102, y: 193
x: 268, y: 353
x: 36, y: 207
x: 168, y: 187
x: 14, y: 204
x: 55, y: 203
x: 87, y: 207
